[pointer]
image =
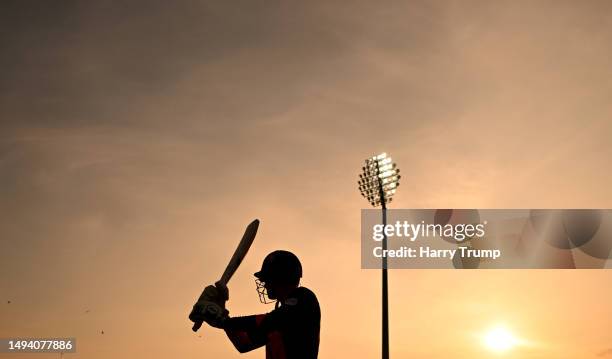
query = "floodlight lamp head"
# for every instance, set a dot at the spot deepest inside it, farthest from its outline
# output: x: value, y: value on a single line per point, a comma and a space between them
x: 379, y: 179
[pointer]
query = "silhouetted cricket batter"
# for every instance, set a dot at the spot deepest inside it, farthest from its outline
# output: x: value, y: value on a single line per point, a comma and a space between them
x: 290, y: 331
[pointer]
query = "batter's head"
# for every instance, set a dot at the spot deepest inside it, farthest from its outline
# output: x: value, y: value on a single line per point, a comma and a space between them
x: 279, y: 268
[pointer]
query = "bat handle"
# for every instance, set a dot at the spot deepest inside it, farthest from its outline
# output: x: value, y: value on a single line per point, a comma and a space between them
x: 222, y: 283
x: 196, y: 326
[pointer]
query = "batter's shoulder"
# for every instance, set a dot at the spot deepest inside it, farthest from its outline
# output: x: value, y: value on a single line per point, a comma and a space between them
x: 303, y: 296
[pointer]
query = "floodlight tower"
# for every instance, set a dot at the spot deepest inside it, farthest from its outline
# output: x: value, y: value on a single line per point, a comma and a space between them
x: 378, y: 183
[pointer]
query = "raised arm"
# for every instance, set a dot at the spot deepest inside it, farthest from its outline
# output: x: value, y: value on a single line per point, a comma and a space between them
x: 246, y: 333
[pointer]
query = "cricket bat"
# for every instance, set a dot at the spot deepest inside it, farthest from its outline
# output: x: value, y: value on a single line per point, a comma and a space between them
x: 237, y: 257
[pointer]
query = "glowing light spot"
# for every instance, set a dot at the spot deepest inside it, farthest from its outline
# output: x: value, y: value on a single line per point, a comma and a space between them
x: 499, y: 339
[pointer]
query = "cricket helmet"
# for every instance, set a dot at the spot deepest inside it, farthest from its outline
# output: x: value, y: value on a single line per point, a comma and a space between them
x: 279, y: 267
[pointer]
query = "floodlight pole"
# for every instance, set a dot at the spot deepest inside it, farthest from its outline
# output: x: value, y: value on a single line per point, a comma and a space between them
x: 378, y: 184
x: 385, y: 283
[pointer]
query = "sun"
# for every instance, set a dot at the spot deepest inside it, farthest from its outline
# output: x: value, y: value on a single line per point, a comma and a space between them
x: 500, y: 339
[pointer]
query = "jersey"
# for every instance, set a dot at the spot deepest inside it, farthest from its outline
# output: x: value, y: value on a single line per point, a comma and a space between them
x: 290, y: 331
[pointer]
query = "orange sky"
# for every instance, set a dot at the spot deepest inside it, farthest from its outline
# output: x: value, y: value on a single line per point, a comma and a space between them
x: 136, y: 142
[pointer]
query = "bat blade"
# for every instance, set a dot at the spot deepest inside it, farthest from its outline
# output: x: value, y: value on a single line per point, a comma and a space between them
x: 240, y: 252
x: 237, y: 257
